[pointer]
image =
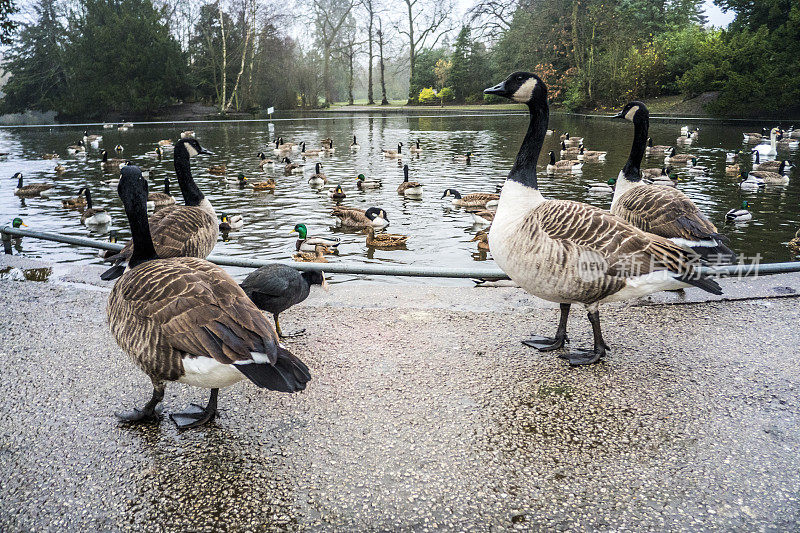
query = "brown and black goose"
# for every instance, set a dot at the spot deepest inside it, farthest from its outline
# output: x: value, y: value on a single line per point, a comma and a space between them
x: 661, y: 209
x: 184, y: 319
x: 189, y: 230
x: 352, y: 217
x: 157, y: 200
x: 570, y: 252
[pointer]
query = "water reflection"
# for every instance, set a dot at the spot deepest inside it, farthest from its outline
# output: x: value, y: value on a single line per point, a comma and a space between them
x: 439, y: 234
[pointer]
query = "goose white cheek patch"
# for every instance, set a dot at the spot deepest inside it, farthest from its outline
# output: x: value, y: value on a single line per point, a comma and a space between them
x: 525, y: 91
x: 191, y: 150
x: 629, y: 115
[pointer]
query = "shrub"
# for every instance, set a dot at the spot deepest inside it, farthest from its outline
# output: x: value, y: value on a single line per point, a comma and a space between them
x: 427, y: 96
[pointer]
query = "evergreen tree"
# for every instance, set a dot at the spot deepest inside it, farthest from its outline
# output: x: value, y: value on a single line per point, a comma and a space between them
x: 7, y: 26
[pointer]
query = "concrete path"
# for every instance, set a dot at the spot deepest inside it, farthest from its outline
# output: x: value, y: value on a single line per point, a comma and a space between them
x: 424, y: 413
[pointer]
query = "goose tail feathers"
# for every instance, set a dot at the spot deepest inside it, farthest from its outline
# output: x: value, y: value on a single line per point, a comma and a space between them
x: 288, y: 374
x: 707, y: 284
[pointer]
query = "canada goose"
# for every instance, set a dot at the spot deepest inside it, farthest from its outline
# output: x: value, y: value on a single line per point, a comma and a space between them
x: 188, y: 230
x: 684, y: 130
x: 305, y: 243
x: 30, y: 190
x: 467, y: 158
x: 569, y: 152
x: 281, y: 150
x: 188, y: 134
x: 93, y: 216
x: 672, y: 157
x: 309, y: 153
x: 337, y: 193
x: 394, y: 154
x: 409, y: 189
x: 290, y: 168
x: 93, y: 140
x: 107, y: 126
x: 78, y: 148
x: 756, y: 137
x: 230, y: 222
x: 788, y: 142
x: 750, y: 182
x: 329, y: 149
x: 793, y: 245
x: 385, y: 240
x: 687, y: 139
x: 549, y: 246
x: 157, y: 200
x: 185, y: 319
x: 165, y: 142
x: 475, y: 199
x: 416, y: 149
x: 60, y: 169
x: 317, y: 256
x: 352, y: 217
x: 354, y: 145
x: 571, y: 141
x: 363, y: 183
x: 770, y: 149
x: 77, y: 202
x: 50, y: 156
x: 268, y: 185
x: 110, y: 164
x: 564, y: 165
x: 483, y: 217
x: 658, y: 149
x: 591, y: 156
x: 317, y: 179
x: 695, y: 168
x: 655, y: 172
x: 218, y: 170
x: 739, y: 215
x: 663, y: 211
x: 274, y: 288
x: 783, y: 167
x: 119, y: 148
x: 608, y: 186
x: 113, y: 182
x: 770, y: 178
x: 263, y: 160
x: 483, y: 240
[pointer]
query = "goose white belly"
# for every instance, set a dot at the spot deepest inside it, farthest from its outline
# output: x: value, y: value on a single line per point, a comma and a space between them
x: 207, y: 372
x: 638, y: 286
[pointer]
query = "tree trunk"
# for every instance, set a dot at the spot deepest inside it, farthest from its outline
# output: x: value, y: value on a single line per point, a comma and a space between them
x: 241, y: 70
x: 370, y: 100
x: 350, y: 55
x: 326, y: 77
x: 224, y: 60
x: 384, y: 100
x: 411, y: 55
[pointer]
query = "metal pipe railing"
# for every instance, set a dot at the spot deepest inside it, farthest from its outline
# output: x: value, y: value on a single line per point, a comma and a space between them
x: 740, y: 270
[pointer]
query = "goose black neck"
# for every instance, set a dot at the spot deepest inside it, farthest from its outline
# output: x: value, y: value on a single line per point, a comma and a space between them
x: 405, y: 174
x: 166, y: 186
x: 136, y: 210
x: 631, y: 170
x: 105, y: 156
x: 88, y: 195
x: 19, y: 182
x: 524, y: 169
x: 192, y: 195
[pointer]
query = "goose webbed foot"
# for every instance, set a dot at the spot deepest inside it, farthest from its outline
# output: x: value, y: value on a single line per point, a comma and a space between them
x: 148, y: 413
x: 548, y: 344
x: 581, y: 357
x: 197, y: 415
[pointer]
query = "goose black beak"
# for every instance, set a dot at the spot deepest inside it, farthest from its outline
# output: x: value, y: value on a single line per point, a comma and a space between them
x: 499, y: 89
x: 619, y: 115
x: 206, y: 151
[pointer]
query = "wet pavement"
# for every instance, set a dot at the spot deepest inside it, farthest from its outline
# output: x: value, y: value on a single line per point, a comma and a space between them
x: 424, y: 413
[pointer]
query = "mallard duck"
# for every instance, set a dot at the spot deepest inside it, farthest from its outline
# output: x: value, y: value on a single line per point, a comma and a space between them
x: 263, y: 160
x: 770, y: 178
x: 110, y: 164
x: 50, y: 156
x: 591, y: 156
x: 239, y: 179
x: 77, y: 202
x: 672, y: 157
x: 694, y: 168
x: 385, y: 240
x: 658, y: 149
x: 30, y: 190
x: 337, y: 193
x: 416, y: 148
x: 93, y: 216
x: 119, y: 148
x: 305, y: 243
x: 157, y: 153
x: 268, y: 185
x: 607, y: 186
x: 317, y: 256
x: 475, y: 199
x: 317, y: 179
x: 218, y: 170
x: 409, y: 189
x: 363, y: 183
x: 157, y: 200
x: 185, y: 319
x: 564, y: 165
x: 548, y: 246
x: 482, y: 237
x: 467, y: 158
x: 352, y: 217
x: 275, y: 288
x: 663, y: 211
x: 354, y: 145
x: 231, y: 222
x: 188, y: 230
x: 733, y: 169
x: 290, y: 168
x: 309, y: 153
x: 739, y: 215
x: 165, y: 142
x: 60, y: 169
x: 794, y: 244
x: 78, y: 148
x: 188, y: 134
x: 483, y: 217
x: 394, y: 154
x: 17, y: 222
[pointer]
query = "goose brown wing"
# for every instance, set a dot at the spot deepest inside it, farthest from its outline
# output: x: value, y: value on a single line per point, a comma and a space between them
x: 664, y: 211
x: 199, y: 310
x: 481, y: 197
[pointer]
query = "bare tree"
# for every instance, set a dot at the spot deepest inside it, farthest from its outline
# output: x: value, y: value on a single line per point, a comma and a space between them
x: 428, y: 21
x: 329, y: 18
x: 384, y: 100
x: 490, y: 19
x: 370, y: 7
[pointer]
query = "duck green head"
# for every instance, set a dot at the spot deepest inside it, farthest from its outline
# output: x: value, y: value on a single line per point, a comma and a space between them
x: 17, y: 222
x: 361, y: 177
x: 301, y: 230
x: 224, y: 217
x: 612, y: 181
x: 694, y: 161
x: 745, y: 205
x: 241, y: 177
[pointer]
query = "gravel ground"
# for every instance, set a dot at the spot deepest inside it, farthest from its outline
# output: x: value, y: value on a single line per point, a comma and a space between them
x: 428, y: 415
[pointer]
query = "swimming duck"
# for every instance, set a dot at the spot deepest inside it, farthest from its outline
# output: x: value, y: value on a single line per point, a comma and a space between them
x: 50, y: 156
x: 60, y: 169
x: 30, y: 190
x: 240, y: 179
x: 385, y: 240
x: 794, y: 244
x: 694, y: 168
x: 305, y: 243
x: 337, y: 193
x: 352, y: 217
x: 158, y: 153
x: 739, y: 215
x: 363, y: 183
x: 317, y: 256
x: 119, y: 148
x: 231, y: 222
x: 483, y: 240
x: 268, y: 185
x: 608, y: 186
x: 218, y: 170
x: 409, y: 189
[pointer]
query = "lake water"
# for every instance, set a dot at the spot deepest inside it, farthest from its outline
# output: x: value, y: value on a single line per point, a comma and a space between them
x: 440, y: 235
